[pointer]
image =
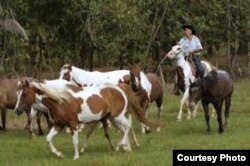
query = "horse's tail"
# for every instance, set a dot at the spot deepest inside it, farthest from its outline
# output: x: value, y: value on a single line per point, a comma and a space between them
x: 134, y: 103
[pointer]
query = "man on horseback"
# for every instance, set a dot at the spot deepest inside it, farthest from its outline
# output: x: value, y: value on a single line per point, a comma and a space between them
x: 192, y: 48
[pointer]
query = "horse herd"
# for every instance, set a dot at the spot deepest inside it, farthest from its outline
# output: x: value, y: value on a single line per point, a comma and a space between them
x: 82, y: 97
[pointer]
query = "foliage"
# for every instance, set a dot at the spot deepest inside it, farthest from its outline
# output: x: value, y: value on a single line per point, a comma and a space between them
x: 91, y: 33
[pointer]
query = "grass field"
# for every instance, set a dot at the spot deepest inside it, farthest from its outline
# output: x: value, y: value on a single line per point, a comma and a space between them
x: 16, y: 148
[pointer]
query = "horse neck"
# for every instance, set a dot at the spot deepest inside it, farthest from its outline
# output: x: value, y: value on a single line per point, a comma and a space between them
x: 187, y: 71
x: 181, y: 62
x: 77, y: 73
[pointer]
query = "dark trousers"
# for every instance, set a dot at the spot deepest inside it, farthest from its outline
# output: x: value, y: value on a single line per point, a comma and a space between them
x: 199, y: 68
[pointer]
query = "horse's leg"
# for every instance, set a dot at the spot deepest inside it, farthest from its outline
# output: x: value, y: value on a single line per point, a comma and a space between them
x: 124, y: 125
x: 159, y: 107
x: 194, y: 113
x: 32, y: 114
x: 133, y: 133
x: 205, y: 107
x: 53, y: 131
x: 218, y: 107
x: 38, y: 121
x: 28, y: 123
x: 188, y: 110
x: 119, y: 127
x: 91, y: 128
x: 106, y: 134
x: 227, y: 108
x: 3, y: 116
x: 81, y: 127
x: 75, y: 143
x: 183, y: 100
x: 48, y: 119
x: 144, y: 128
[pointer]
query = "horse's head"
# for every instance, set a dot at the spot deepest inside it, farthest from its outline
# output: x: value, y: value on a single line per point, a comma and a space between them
x: 26, y: 96
x: 65, y: 72
x: 175, y: 52
x: 194, y: 94
x: 135, y: 76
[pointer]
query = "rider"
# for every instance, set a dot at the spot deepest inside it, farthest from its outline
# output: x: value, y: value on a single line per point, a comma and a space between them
x: 192, y: 47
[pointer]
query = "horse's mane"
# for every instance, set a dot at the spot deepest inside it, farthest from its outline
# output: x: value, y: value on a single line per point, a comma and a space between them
x: 180, y: 78
x: 55, y: 89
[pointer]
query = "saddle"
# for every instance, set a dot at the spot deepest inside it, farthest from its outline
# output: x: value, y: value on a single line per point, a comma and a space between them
x: 192, y: 65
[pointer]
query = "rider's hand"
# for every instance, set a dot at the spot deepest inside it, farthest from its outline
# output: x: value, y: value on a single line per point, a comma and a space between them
x: 191, y: 52
x: 165, y: 57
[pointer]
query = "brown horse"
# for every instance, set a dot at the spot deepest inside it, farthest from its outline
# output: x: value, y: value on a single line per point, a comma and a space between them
x: 8, y: 99
x: 156, y: 91
x: 216, y: 87
x: 70, y: 105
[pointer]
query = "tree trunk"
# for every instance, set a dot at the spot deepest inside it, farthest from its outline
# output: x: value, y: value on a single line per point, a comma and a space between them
x: 248, y: 45
x: 91, y: 57
x: 228, y: 36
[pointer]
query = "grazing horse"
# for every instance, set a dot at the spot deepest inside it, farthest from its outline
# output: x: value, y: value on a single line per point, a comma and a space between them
x: 185, y: 73
x: 216, y: 87
x: 8, y: 99
x: 70, y: 105
x: 156, y: 93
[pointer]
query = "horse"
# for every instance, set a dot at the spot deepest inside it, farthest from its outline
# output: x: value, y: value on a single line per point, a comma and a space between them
x: 8, y: 99
x: 70, y: 105
x: 156, y: 93
x: 36, y: 109
x: 185, y: 73
x: 84, y: 78
x: 215, y: 88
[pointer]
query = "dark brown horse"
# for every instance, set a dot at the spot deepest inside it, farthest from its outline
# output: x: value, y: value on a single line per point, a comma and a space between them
x: 8, y: 99
x: 156, y: 90
x: 216, y: 87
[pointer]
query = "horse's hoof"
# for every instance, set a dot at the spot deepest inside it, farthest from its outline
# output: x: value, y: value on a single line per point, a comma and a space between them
x: 221, y: 131
x: 125, y: 148
x: 137, y: 145
x: 179, y: 119
x: 76, y: 157
x: 208, y: 131
x: 147, y: 131
x: 32, y: 135
x: 117, y: 148
x: 1, y: 127
x: 158, y: 129
x: 82, y: 150
x: 59, y: 155
x: 41, y: 133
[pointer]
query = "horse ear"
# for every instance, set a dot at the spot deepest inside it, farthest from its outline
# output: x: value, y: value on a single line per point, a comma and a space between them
x: 190, y: 82
x: 27, y: 83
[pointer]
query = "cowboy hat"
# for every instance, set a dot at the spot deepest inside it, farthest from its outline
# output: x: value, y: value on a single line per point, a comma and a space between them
x: 189, y: 27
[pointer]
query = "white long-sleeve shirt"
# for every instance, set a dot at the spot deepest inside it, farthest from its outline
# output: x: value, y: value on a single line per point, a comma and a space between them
x: 190, y: 45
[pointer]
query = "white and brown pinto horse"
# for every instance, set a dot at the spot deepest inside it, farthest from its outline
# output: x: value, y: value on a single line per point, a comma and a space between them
x: 156, y: 93
x: 82, y: 78
x: 70, y: 105
x: 185, y: 75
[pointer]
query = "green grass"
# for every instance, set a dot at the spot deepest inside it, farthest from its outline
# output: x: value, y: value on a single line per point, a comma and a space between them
x: 16, y: 148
